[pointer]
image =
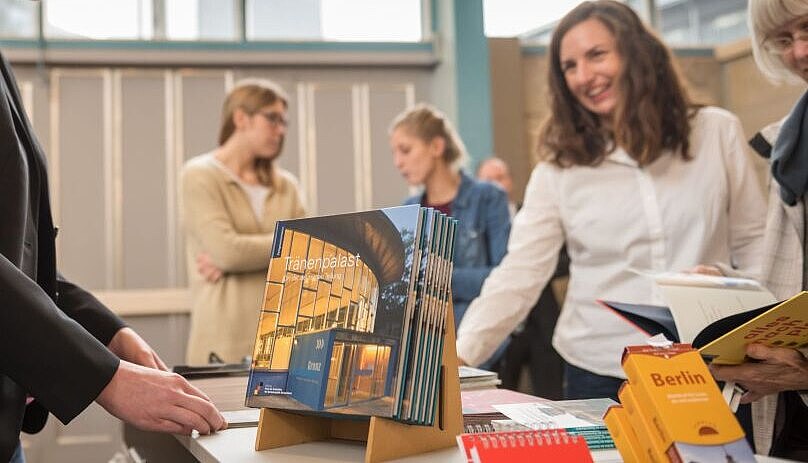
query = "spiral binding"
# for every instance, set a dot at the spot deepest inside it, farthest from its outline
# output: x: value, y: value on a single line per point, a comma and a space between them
x: 508, y: 439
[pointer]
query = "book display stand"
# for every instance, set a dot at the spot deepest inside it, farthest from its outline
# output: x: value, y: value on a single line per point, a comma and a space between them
x: 386, y: 439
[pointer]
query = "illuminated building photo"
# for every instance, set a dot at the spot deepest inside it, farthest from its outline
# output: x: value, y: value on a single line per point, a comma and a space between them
x: 332, y: 317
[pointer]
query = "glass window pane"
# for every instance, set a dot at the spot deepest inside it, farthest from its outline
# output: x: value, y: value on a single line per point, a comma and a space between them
x: 272, y: 296
x: 333, y: 375
x: 201, y: 19
x: 307, y: 303
x: 334, y: 20
x: 18, y: 18
x: 281, y: 351
x: 266, y: 336
x: 529, y: 19
x: 291, y: 301
x: 99, y: 19
x: 702, y: 23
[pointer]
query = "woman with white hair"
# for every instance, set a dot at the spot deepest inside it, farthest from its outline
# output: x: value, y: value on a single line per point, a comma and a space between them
x: 778, y: 382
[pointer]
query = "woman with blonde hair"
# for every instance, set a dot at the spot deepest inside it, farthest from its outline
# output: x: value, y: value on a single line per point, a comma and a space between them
x: 635, y: 179
x: 429, y: 153
x: 778, y: 380
x: 231, y: 199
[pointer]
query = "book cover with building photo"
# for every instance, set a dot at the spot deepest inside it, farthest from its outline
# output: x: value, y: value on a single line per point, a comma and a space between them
x: 335, y: 307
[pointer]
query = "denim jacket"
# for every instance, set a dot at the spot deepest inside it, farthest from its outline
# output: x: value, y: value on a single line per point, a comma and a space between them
x: 481, y: 209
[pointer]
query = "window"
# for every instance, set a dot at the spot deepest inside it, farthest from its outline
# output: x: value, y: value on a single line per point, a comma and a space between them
x: 680, y: 22
x: 216, y: 20
x: 98, y: 19
x: 334, y: 20
x: 525, y: 18
x: 201, y: 20
x: 697, y: 22
x: 18, y: 19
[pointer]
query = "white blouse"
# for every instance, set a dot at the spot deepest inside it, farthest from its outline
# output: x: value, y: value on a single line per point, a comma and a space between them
x: 617, y: 218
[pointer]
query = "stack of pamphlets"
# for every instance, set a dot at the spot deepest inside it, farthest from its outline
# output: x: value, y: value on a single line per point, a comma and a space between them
x: 582, y: 418
x: 353, y: 316
x: 475, y: 378
x: 505, y: 410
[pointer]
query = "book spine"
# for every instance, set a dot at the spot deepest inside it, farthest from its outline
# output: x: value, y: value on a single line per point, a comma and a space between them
x: 625, y: 438
x: 649, y: 442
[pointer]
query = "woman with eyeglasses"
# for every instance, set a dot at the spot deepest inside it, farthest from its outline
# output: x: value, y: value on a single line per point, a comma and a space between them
x: 777, y: 383
x: 231, y: 199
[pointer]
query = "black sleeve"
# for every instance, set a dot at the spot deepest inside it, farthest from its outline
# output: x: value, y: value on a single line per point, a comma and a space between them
x: 47, y: 353
x: 88, y: 311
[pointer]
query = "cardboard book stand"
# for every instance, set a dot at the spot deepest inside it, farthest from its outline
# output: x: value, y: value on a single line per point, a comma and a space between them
x: 386, y: 439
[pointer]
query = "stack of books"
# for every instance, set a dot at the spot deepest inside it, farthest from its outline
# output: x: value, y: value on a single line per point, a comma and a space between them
x: 672, y: 411
x: 475, y: 378
x: 353, y: 317
x: 503, y: 410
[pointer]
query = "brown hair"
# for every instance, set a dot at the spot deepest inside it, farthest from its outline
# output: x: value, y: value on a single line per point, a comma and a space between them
x: 427, y: 123
x: 654, y: 114
x: 250, y: 95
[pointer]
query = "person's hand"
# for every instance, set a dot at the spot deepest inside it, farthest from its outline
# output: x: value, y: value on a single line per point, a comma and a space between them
x: 706, y: 270
x: 205, y: 267
x: 129, y: 346
x: 154, y: 400
x: 778, y: 369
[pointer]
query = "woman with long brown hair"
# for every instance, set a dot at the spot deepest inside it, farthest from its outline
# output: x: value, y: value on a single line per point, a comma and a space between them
x: 231, y: 199
x: 635, y: 178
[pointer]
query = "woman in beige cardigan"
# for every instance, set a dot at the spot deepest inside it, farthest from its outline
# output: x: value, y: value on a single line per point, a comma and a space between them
x: 231, y: 199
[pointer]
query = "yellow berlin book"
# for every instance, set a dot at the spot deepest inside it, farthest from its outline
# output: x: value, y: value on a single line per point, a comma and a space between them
x: 623, y: 435
x: 649, y: 443
x: 784, y: 325
x: 689, y: 416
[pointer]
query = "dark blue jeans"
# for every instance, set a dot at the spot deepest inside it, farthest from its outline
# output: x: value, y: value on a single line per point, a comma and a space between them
x: 18, y: 456
x: 583, y: 384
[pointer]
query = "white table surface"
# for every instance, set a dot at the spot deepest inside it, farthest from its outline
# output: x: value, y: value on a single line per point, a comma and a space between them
x: 236, y: 445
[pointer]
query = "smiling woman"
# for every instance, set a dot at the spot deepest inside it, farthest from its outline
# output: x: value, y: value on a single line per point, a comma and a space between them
x: 636, y: 177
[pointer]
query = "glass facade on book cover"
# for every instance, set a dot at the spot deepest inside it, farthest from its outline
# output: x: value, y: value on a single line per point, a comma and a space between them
x: 331, y: 322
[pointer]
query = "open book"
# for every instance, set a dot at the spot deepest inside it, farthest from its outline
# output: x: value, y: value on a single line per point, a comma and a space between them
x: 783, y: 325
x: 720, y: 315
x: 694, y: 302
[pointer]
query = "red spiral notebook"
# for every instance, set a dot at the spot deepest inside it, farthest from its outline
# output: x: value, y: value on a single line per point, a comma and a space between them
x: 524, y: 446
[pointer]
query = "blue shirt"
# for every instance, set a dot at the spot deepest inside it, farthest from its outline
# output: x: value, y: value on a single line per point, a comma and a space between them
x: 481, y: 209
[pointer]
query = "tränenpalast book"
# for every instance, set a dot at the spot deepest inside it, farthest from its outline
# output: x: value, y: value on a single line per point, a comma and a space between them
x: 352, y: 319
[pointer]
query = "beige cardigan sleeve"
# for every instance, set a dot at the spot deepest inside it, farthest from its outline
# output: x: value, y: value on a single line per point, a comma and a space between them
x: 206, y: 220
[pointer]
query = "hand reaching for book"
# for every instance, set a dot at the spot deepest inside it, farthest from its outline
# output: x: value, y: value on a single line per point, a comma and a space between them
x: 778, y: 369
x: 154, y: 400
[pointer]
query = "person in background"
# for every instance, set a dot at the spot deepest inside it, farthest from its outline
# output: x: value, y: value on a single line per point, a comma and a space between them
x: 531, y: 342
x: 427, y: 151
x: 60, y: 348
x: 777, y: 382
x: 495, y: 170
x: 231, y: 199
x: 634, y: 178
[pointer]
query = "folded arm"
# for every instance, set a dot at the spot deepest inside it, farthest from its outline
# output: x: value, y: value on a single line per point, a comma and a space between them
x: 206, y: 219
